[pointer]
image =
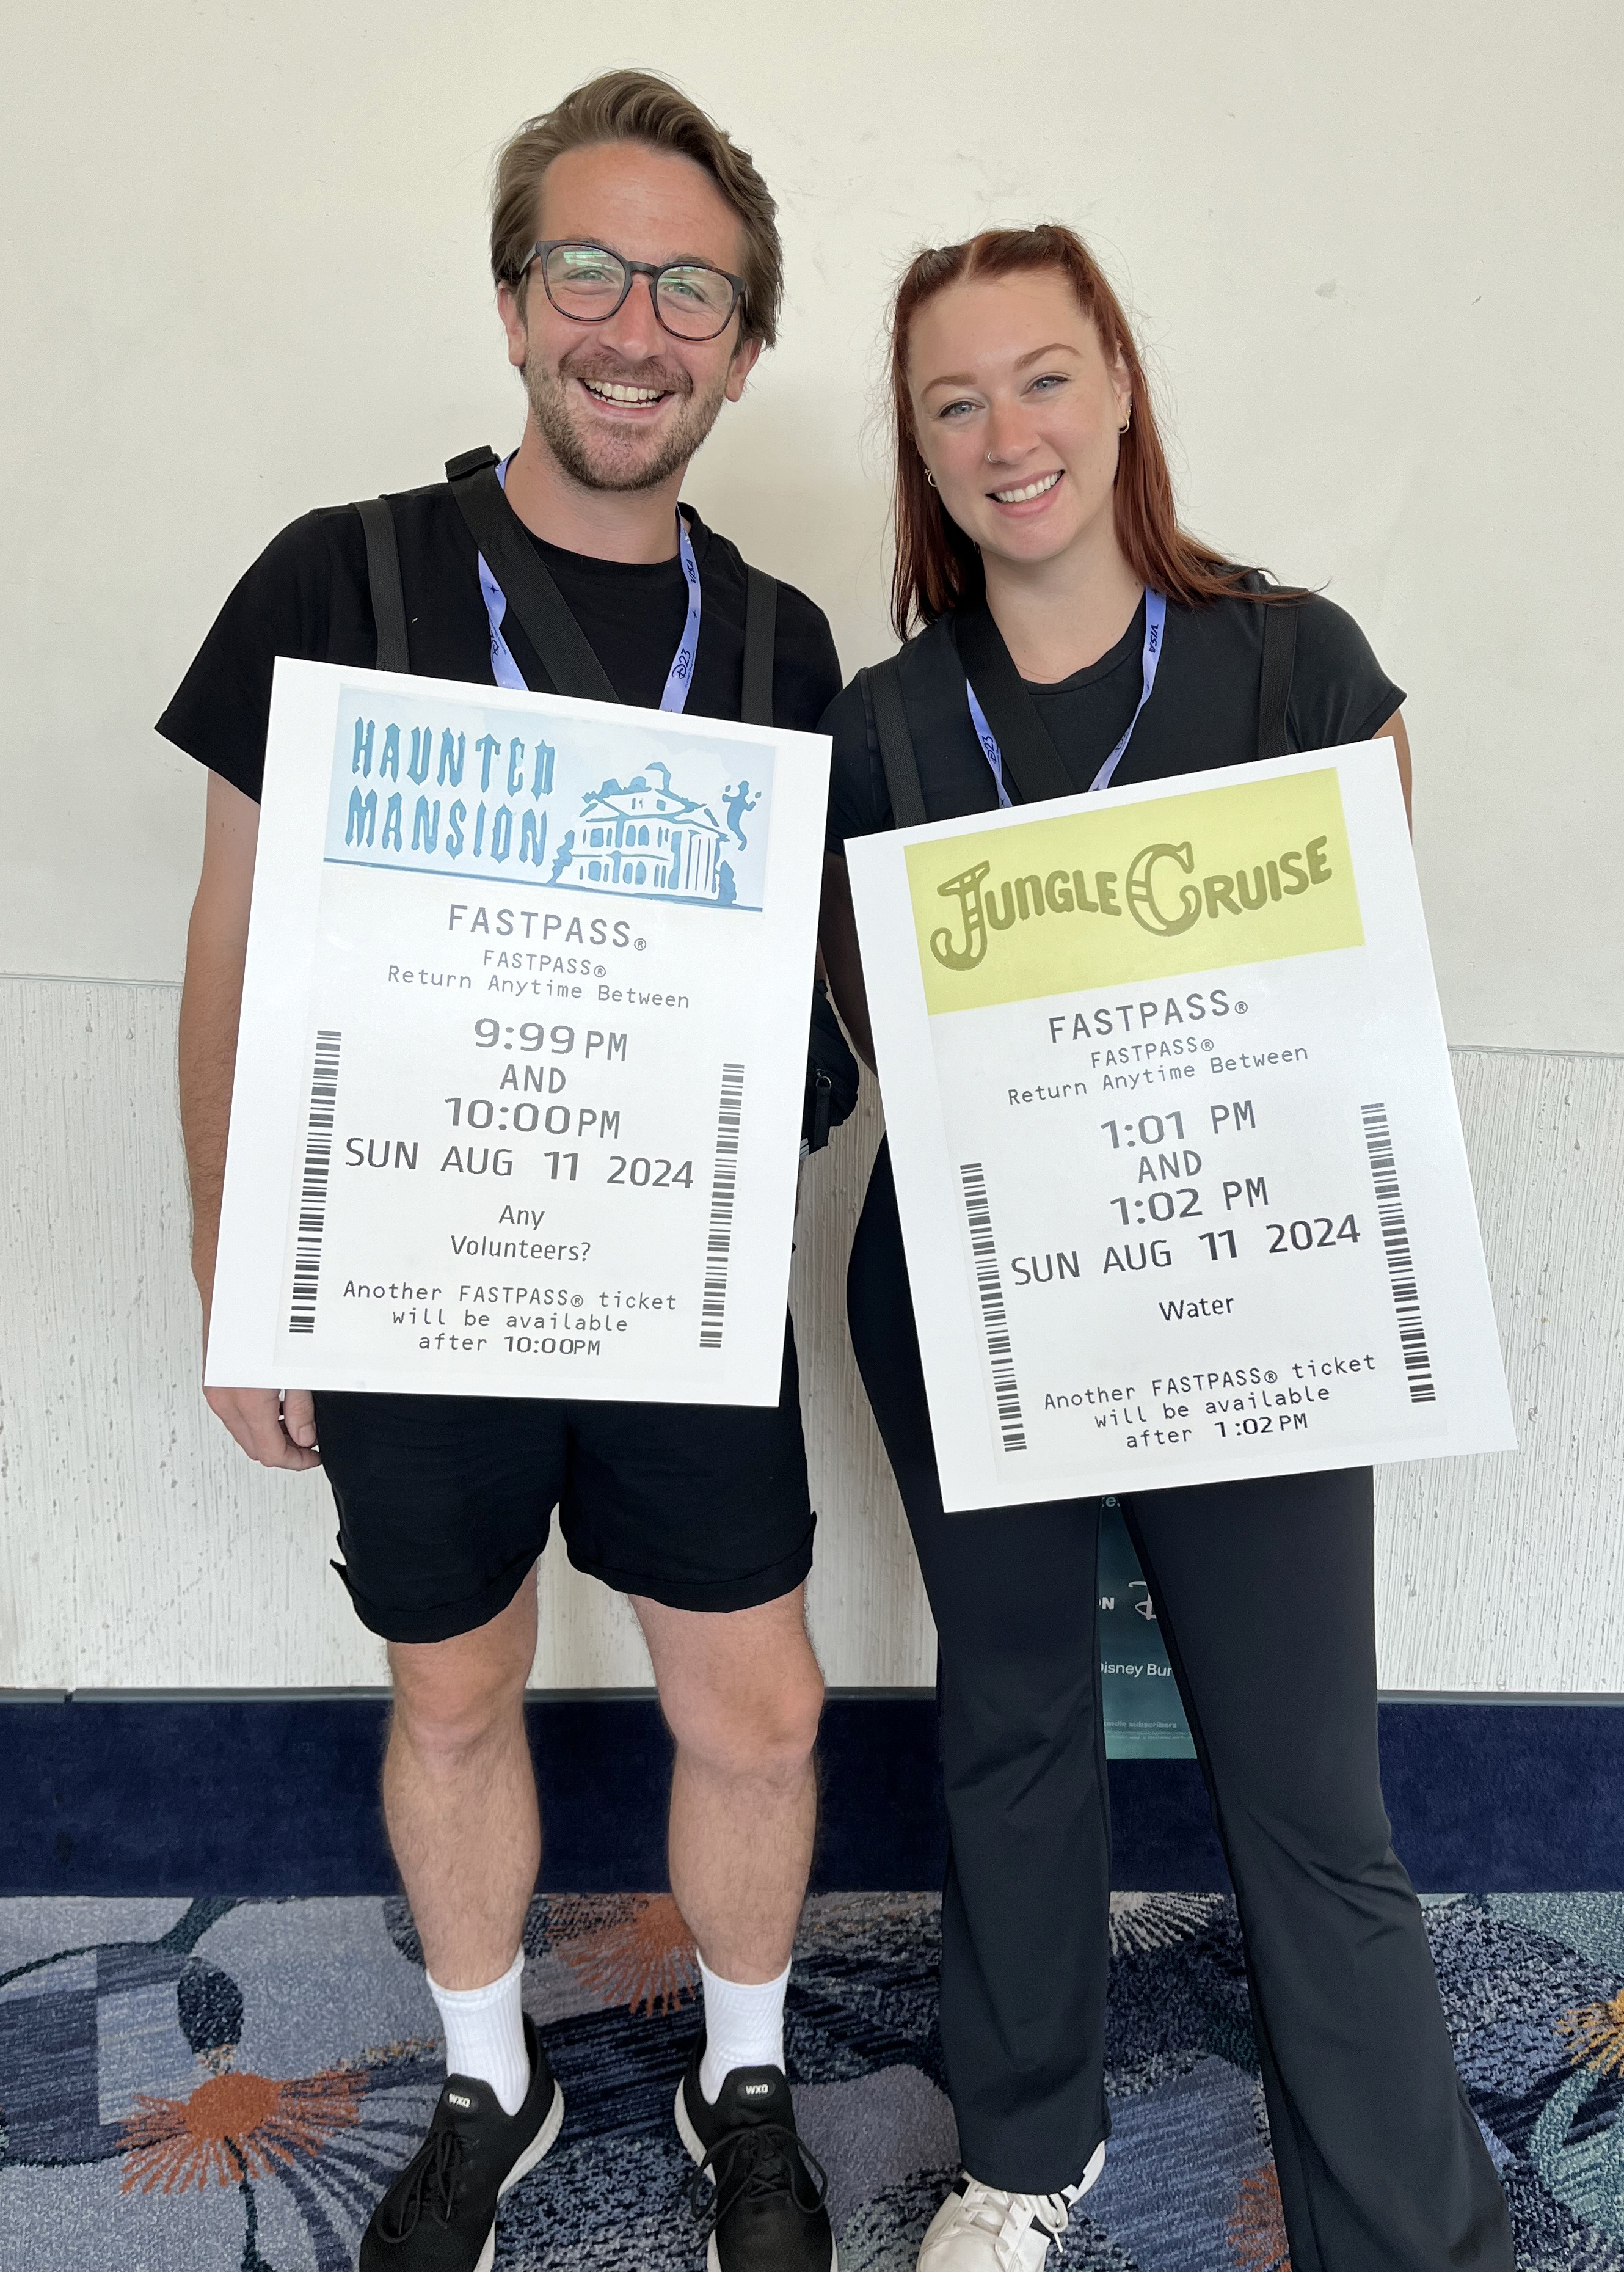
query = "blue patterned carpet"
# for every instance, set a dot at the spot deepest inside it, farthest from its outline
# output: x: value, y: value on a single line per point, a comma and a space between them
x: 224, y: 2086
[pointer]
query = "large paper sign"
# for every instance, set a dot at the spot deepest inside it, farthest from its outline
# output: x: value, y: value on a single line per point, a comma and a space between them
x: 523, y: 1050
x: 1177, y: 1154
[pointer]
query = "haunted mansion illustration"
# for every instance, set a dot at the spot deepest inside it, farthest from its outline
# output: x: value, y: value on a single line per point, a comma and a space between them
x: 646, y: 837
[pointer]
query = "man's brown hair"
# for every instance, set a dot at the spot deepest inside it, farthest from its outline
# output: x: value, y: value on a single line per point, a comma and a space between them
x: 636, y: 105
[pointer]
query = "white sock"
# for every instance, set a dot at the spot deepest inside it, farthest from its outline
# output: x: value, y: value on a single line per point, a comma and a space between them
x: 744, y: 2027
x: 485, y: 2034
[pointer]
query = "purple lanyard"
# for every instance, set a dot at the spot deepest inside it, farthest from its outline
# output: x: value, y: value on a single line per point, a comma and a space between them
x: 1155, y: 619
x: 506, y: 672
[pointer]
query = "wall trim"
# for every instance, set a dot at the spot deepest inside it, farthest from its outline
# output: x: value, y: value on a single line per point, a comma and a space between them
x: 276, y: 1795
x: 1484, y: 1696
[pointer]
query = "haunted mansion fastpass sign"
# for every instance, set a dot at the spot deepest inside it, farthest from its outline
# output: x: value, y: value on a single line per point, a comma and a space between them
x: 523, y: 1048
x: 1177, y: 1153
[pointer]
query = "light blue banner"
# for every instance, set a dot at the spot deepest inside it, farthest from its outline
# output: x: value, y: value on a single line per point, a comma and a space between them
x: 626, y: 808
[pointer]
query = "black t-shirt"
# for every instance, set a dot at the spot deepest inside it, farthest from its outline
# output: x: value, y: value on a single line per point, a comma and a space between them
x: 307, y: 597
x: 1202, y: 712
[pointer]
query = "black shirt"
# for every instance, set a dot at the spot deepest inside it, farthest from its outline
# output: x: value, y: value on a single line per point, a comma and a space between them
x: 307, y: 597
x: 1202, y: 712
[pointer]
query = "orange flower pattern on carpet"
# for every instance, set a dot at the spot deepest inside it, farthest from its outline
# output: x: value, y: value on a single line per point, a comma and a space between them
x: 643, y: 1956
x: 1256, y: 2228
x: 1595, y: 2033
x: 235, y: 2126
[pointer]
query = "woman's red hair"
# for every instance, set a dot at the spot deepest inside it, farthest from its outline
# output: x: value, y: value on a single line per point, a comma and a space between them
x: 937, y: 567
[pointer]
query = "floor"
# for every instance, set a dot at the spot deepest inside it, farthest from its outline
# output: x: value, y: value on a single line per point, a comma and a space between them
x: 222, y: 2086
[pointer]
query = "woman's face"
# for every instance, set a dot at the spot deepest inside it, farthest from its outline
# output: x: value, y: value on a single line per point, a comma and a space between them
x: 1017, y: 413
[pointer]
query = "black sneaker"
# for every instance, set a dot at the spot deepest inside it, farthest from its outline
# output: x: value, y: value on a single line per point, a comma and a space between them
x: 766, y: 2207
x: 440, y: 2213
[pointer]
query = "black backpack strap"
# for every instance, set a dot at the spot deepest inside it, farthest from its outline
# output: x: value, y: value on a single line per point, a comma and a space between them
x: 1275, y: 684
x: 761, y: 625
x: 542, y: 612
x: 890, y: 725
x: 1031, y: 763
x: 389, y: 613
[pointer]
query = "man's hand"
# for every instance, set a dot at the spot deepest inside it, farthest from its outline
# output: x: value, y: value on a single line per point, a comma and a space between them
x: 278, y: 1431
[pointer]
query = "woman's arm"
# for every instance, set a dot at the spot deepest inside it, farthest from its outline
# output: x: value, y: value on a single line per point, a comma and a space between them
x: 837, y: 936
x: 1394, y: 732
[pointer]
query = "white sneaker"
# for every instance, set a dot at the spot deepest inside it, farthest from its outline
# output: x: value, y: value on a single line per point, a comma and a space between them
x: 980, y: 2229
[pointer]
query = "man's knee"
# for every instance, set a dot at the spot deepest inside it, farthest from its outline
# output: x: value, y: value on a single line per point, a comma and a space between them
x: 452, y: 1696
x: 761, y: 1723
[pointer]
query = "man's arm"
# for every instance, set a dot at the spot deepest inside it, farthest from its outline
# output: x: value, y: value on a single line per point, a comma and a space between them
x: 837, y: 936
x: 279, y: 1432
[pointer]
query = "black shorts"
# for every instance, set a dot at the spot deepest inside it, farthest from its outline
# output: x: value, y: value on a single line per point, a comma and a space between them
x: 445, y: 1502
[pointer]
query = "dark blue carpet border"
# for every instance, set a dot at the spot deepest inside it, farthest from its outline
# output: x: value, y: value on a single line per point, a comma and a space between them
x: 278, y: 1795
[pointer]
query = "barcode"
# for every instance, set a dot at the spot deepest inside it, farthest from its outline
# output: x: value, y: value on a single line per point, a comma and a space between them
x: 996, y: 1324
x: 313, y: 1191
x: 1400, y: 1265
x: 724, y: 1182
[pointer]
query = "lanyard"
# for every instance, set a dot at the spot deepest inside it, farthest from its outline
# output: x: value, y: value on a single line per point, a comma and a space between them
x: 1155, y: 618
x: 678, y: 678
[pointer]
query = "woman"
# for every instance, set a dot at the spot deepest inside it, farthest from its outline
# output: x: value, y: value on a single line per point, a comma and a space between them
x: 1038, y: 546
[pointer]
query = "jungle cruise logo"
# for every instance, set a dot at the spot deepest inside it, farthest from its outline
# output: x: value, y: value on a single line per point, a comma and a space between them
x: 1160, y: 890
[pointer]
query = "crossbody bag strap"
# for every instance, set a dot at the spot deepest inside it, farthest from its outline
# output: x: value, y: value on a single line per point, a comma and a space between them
x: 1031, y: 763
x: 389, y: 613
x: 890, y: 724
x: 1275, y: 686
x: 761, y: 628
x: 542, y: 612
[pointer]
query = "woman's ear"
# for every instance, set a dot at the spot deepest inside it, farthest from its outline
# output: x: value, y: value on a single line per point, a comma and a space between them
x: 1122, y: 387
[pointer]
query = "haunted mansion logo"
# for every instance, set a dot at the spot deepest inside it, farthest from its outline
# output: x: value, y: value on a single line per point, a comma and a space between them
x: 685, y: 819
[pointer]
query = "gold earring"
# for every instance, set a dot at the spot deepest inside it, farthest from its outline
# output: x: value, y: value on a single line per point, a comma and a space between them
x: 1126, y: 421
x: 930, y: 477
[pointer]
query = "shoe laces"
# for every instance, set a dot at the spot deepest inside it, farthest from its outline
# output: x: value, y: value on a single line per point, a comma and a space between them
x: 431, y: 2185
x: 1009, y: 2217
x: 750, y: 2164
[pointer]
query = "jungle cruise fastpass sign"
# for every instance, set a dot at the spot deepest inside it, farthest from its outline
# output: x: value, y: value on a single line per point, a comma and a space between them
x: 1176, y: 1146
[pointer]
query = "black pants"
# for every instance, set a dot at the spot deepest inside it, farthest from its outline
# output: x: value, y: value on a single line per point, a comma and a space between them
x: 1264, y: 1593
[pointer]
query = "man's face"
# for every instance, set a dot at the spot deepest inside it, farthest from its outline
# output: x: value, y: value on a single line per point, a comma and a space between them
x: 645, y: 204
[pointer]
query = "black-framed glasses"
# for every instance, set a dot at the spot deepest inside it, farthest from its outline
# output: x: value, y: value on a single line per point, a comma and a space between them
x: 589, y: 283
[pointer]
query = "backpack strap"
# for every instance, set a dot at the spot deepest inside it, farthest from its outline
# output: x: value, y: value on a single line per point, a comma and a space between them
x: 760, y: 623
x: 1275, y: 684
x: 890, y: 725
x: 389, y: 613
x: 543, y: 614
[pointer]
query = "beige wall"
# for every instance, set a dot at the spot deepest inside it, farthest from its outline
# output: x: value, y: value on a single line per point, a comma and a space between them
x: 1373, y: 246
x: 1374, y: 252
x: 139, y: 1550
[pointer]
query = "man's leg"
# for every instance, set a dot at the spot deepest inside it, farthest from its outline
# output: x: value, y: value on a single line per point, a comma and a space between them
x: 741, y: 1693
x: 445, y: 1505
x: 460, y: 1797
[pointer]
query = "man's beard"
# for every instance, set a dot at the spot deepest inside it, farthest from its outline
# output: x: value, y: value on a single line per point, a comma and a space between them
x: 620, y: 460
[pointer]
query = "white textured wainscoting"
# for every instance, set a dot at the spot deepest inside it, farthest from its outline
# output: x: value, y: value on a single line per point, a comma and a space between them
x: 138, y: 1548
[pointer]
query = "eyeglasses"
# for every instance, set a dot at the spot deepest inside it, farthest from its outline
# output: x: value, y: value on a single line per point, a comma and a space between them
x: 589, y: 284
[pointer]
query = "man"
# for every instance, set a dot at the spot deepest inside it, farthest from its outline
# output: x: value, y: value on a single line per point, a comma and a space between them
x: 638, y: 275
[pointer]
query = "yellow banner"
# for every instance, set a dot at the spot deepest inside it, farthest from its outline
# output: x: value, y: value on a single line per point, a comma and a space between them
x: 1248, y: 873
